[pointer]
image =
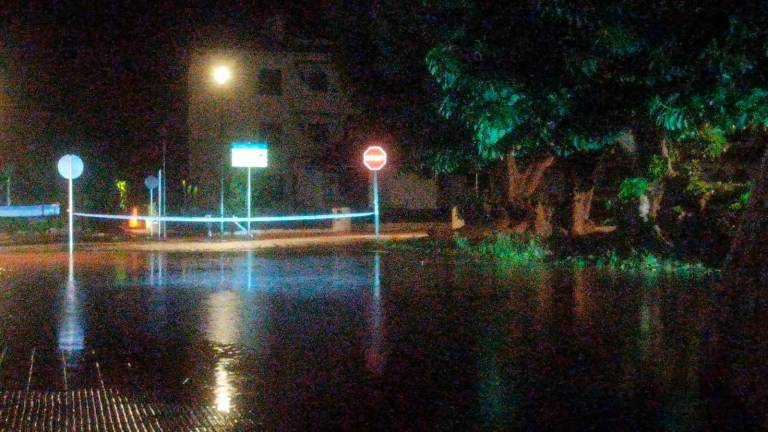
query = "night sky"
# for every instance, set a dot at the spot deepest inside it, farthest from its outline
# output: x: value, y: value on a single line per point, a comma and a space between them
x: 110, y: 77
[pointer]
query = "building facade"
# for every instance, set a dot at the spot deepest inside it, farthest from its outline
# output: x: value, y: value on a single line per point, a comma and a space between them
x: 285, y: 94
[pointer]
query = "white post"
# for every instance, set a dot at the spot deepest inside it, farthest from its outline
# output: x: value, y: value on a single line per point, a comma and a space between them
x: 165, y: 202
x: 221, y: 209
x: 159, y: 202
x: 151, y: 210
x: 71, y: 210
x: 249, y: 201
x: 376, y: 202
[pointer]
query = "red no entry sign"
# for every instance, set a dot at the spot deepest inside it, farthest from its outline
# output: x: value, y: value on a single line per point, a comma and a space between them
x: 374, y: 158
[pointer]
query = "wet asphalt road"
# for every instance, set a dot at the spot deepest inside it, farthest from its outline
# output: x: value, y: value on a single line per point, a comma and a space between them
x: 350, y: 340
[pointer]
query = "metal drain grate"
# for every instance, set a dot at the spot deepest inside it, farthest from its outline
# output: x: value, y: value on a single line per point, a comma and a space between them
x: 106, y: 410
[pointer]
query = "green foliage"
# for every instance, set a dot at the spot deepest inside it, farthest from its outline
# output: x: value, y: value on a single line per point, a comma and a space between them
x: 24, y: 225
x: 715, y: 142
x: 529, y: 252
x: 6, y: 171
x: 658, y: 167
x: 461, y: 243
x: 743, y: 199
x: 632, y: 188
x: 752, y: 109
x: 122, y: 190
x: 523, y: 94
x: 640, y: 263
x: 190, y: 190
x: 514, y: 250
x: 667, y: 116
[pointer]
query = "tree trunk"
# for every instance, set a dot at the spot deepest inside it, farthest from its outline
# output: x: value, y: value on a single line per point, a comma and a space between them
x: 581, y: 202
x: 747, y: 262
x: 521, y: 187
x: 656, y: 196
x: 580, y: 210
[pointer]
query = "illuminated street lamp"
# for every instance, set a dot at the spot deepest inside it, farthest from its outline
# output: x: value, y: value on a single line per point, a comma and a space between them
x: 222, y: 74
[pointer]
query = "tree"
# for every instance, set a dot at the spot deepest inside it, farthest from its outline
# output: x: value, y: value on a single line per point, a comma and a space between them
x: 573, y: 80
x: 559, y: 89
x: 706, y: 74
x: 747, y: 263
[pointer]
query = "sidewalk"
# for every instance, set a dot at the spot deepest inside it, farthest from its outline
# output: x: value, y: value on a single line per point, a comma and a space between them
x: 325, y: 239
x: 282, y: 239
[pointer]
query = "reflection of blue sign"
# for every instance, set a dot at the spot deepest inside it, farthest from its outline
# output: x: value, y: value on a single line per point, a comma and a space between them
x: 249, y: 154
x: 31, y: 211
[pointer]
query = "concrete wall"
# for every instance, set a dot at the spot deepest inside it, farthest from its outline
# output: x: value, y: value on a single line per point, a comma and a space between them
x: 407, y: 191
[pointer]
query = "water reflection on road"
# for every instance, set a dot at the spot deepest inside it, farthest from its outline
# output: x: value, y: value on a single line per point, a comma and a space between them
x: 359, y: 340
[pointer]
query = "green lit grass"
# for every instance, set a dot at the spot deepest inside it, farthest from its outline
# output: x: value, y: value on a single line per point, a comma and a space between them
x: 641, y: 263
x: 513, y: 250
x: 530, y: 252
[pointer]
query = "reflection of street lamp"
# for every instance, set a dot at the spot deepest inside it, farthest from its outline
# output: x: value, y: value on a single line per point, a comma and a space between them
x: 222, y: 74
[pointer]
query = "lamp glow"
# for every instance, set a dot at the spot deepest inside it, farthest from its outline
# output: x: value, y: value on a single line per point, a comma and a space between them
x: 222, y: 74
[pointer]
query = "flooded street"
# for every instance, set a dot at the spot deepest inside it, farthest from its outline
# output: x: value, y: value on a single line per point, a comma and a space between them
x: 358, y: 340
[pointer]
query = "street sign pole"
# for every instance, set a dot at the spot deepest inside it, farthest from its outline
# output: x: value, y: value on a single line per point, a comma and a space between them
x: 70, y: 167
x: 159, y: 203
x: 249, y: 201
x: 248, y: 154
x: 151, y: 209
x: 376, y: 202
x: 375, y: 158
x: 71, y: 211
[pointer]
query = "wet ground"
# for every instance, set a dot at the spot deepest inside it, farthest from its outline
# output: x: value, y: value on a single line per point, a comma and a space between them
x: 357, y: 340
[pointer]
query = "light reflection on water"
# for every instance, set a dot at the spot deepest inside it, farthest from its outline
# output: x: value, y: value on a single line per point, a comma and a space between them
x: 235, y: 286
x: 308, y: 276
x: 224, y: 388
x: 344, y: 335
x: 71, y: 330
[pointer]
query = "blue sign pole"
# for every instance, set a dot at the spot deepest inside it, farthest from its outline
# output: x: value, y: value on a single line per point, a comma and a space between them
x: 71, y: 211
x: 151, y: 210
x: 70, y: 167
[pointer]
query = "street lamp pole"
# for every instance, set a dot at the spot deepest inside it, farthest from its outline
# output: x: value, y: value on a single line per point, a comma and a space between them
x: 222, y: 75
x: 221, y: 167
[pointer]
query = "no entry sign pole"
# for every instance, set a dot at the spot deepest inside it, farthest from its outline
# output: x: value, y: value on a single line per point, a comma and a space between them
x: 374, y: 158
x: 376, y: 202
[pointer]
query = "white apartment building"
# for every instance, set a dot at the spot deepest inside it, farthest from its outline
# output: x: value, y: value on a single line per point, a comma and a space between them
x: 287, y: 95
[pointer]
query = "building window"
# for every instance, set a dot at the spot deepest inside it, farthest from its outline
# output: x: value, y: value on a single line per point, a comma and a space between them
x: 271, y: 82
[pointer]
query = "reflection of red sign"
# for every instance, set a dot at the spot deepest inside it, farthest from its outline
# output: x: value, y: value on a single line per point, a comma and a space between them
x: 374, y: 158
